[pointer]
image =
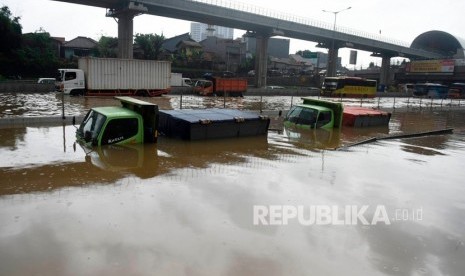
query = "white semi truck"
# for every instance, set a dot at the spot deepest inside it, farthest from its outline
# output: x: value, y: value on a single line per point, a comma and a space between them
x: 111, y: 77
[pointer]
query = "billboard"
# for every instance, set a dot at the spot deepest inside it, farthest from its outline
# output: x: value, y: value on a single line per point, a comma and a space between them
x: 441, y: 66
x: 353, y: 57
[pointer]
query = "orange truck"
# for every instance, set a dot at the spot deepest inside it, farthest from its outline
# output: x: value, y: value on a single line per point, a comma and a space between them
x: 221, y: 86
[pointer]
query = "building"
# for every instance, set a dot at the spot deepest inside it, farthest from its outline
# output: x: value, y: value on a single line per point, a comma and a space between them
x: 170, y: 44
x: 224, y: 54
x: 277, y: 47
x: 79, y: 47
x: 200, y: 31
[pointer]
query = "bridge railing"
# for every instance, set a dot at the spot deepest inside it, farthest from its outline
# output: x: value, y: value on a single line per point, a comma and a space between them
x: 248, y: 8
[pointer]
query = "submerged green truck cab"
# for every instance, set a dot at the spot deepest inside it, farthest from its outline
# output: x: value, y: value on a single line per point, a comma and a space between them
x: 313, y: 113
x: 133, y: 122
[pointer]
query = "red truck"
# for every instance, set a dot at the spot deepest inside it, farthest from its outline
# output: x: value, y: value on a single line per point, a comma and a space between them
x: 220, y: 86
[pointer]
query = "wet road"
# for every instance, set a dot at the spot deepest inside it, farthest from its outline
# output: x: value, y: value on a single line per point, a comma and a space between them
x: 187, y: 208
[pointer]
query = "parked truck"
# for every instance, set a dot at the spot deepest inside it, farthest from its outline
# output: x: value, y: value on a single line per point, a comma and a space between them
x: 221, y: 86
x: 177, y: 80
x: 110, y: 77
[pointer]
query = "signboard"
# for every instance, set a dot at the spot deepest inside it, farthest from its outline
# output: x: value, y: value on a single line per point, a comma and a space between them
x: 353, y: 57
x: 442, y: 66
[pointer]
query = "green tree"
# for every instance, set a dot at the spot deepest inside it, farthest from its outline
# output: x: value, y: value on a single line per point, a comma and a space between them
x: 37, y: 55
x: 10, y: 31
x: 151, y: 45
x: 107, y: 47
x: 10, y: 41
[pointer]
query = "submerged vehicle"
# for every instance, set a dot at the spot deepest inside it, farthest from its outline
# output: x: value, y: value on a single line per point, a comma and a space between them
x: 137, y: 121
x: 134, y: 122
x: 430, y: 90
x: 313, y: 113
x: 221, y: 86
x: 113, y: 76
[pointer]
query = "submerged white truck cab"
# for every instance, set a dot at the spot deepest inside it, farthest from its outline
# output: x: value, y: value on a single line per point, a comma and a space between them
x: 71, y: 81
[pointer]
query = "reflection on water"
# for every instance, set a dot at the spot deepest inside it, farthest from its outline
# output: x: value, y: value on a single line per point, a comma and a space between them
x: 186, y: 208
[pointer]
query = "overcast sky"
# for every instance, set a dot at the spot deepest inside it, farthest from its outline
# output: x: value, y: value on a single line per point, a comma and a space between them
x: 397, y: 19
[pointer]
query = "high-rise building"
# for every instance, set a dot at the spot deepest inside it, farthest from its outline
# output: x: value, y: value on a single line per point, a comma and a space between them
x: 200, y: 31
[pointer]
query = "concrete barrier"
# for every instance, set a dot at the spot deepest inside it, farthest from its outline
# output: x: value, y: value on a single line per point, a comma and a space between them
x: 25, y: 87
x: 12, y: 122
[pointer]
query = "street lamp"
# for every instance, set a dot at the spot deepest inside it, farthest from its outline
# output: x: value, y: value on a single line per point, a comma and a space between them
x: 332, y: 72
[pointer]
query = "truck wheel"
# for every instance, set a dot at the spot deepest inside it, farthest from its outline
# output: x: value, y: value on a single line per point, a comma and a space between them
x: 142, y: 93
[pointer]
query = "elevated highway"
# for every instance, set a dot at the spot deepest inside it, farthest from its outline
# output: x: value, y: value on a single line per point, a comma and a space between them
x: 263, y: 25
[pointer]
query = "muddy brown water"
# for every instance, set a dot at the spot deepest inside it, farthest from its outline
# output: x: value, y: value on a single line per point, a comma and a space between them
x: 187, y: 208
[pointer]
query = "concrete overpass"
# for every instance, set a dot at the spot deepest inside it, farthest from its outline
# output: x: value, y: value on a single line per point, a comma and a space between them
x: 262, y: 25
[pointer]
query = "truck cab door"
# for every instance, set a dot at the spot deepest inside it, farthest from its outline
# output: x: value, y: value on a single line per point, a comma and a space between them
x: 122, y: 131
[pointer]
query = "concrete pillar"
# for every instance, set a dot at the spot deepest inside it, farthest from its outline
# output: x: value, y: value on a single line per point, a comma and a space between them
x: 261, y: 60
x: 125, y: 34
x: 333, y: 54
x: 384, y: 77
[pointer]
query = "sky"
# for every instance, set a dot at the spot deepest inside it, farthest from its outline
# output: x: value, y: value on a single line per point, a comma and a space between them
x: 396, y: 19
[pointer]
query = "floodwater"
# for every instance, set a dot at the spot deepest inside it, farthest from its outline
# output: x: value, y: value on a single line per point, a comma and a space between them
x: 49, y: 104
x: 187, y: 208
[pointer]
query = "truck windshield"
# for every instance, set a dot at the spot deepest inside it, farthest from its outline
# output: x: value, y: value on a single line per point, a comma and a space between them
x: 59, y: 76
x: 302, y: 115
x: 93, y: 122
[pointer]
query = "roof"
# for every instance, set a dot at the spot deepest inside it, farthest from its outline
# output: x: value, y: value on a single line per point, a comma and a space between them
x: 134, y: 101
x: 301, y: 60
x: 188, y: 43
x: 440, y: 42
x: 315, y: 107
x: 170, y: 43
x: 81, y: 42
x: 115, y: 111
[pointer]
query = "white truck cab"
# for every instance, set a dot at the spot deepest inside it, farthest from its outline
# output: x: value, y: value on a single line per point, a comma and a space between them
x: 71, y: 81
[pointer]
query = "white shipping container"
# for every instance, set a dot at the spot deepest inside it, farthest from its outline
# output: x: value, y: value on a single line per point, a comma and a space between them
x: 122, y: 74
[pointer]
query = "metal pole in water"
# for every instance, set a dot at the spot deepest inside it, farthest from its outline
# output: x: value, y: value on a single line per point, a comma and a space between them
x: 292, y: 100
x: 408, y: 101
x: 180, y: 102
x: 420, y: 101
x: 63, y: 105
x: 378, y: 101
x: 394, y: 104
x: 224, y: 99
x: 261, y: 106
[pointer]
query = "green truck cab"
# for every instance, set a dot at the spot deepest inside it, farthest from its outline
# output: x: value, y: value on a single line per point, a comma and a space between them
x: 313, y: 113
x: 133, y: 122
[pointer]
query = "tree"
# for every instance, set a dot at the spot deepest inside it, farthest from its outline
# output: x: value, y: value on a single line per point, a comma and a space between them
x: 10, y: 31
x: 151, y: 45
x: 10, y: 41
x: 37, y: 55
x: 107, y: 47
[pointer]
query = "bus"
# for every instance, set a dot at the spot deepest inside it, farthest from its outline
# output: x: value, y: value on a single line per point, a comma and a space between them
x: 349, y: 87
x: 430, y: 90
x: 457, y: 91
